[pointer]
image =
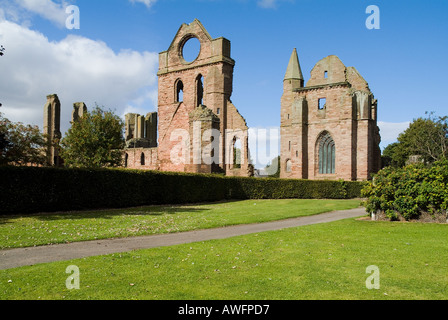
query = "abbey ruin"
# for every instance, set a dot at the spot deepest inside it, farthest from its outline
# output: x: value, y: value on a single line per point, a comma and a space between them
x: 328, y: 127
x: 195, y: 114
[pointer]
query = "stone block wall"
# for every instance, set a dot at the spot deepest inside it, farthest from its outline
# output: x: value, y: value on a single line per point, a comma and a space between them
x: 141, y: 158
x: 205, y: 82
x: 337, y: 101
x: 185, y: 88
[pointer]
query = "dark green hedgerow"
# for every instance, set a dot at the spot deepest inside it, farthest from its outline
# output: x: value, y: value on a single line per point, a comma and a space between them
x: 30, y: 189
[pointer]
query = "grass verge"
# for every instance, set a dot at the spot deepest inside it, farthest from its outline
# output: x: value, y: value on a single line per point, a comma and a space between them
x: 324, y: 261
x: 44, y: 229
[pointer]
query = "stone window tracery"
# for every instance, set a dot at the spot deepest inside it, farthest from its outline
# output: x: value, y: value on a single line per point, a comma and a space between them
x: 327, y: 154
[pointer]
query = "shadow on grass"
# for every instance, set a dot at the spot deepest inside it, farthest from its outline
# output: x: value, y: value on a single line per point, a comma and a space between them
x: 155, y: 210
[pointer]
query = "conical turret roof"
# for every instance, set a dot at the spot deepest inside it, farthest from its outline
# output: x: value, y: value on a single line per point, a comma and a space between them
x: 294, y: 71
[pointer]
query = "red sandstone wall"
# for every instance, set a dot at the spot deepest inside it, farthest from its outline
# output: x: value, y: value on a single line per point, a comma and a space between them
x: 134, y: 158
x: 355, y: 139
x: 216, y: 67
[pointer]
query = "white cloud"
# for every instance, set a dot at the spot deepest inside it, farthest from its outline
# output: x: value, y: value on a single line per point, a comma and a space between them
x: 76, y: 69
x: 22, y: 11
x: 147, y: 3
x: 55, y: 12
x: 390, y: 131
x: 271, y: 4
x: 267, y: 3
x: 9, y: 10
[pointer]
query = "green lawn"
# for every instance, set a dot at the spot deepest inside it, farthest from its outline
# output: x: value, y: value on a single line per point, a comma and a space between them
x: 323, y: 261
x: 56, y: 228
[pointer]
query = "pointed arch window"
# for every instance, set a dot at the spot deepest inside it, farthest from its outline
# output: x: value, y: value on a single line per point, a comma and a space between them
x: 237, y: 149
x: 327, y: 154
x: 179, y: 91
x: 199, y: 90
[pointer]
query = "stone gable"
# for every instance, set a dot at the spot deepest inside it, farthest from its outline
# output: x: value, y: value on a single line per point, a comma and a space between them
x: 337, y: 104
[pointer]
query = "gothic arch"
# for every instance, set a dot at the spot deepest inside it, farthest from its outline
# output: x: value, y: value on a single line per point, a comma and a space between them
x: 199, y: 89
x: 326, y: 153
x: 179, y: 90
x: 237, y: 152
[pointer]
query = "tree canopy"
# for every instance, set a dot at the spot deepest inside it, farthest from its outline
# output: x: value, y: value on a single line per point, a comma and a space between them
x: 21, y: 144
x: 94, y: 141
x: 425, y: 137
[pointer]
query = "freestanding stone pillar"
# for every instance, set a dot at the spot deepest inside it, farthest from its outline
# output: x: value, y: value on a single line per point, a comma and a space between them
x: 79, y: 109
x: 52, y: 129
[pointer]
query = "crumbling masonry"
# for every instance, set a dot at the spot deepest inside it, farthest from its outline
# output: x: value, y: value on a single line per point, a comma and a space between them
x: 52, y: 129
x: 328, y: 127
x: 198, y: 126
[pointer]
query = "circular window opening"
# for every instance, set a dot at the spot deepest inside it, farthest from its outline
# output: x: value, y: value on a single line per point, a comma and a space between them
x: 191, y: 49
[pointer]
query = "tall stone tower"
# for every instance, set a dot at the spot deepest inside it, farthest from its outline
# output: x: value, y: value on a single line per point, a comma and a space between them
x: 328, y: 127
x: 205, y: 83
x: 52, y: 129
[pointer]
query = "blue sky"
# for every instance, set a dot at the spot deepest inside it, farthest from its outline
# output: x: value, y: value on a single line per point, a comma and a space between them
x: 112, y: 59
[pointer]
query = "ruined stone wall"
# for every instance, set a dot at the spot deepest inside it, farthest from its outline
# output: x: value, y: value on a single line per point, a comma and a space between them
x: 141, y: 130
x: 141, y: 158
x: 79, y: 110
x: 52, y: 129
x: 207, y: 82
x: 237, y: 130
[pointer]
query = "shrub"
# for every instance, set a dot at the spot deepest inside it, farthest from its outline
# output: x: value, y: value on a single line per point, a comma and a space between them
x: 409, y: 191
x: 30, y: 189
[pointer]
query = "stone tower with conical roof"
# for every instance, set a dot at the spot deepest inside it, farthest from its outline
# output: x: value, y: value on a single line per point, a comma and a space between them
x: 328, y: 127
x: 294, y: 71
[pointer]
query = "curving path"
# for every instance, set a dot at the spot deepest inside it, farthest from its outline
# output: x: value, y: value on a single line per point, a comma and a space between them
x: 13, y: 258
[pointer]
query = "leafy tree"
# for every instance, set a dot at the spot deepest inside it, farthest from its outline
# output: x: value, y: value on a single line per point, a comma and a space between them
x: 4, y: 143
x: 425, y: 137
x: 94, y: 141
x: 393, y: 156
x: 21, y: 144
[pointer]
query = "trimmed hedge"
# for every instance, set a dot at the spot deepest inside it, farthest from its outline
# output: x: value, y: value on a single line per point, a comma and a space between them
x: 30, y: 190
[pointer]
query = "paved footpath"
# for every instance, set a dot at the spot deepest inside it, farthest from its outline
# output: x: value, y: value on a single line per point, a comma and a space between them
x: 13, y: 258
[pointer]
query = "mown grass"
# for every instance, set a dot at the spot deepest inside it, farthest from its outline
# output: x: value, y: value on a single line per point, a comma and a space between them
x: 66, y: 227
x: 324, y: 261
